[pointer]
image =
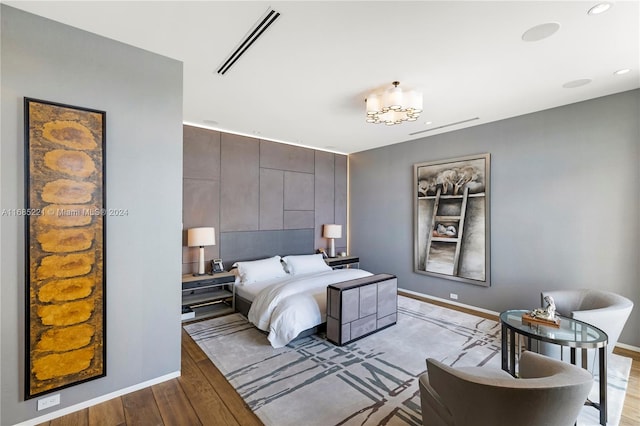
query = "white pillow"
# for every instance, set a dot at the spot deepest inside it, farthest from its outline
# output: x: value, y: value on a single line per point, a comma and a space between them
x: 306, y: 264
x: 260, y: 270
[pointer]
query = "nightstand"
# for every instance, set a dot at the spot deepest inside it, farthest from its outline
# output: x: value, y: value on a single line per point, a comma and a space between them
x: 208, y: 295
x: 342, y: 262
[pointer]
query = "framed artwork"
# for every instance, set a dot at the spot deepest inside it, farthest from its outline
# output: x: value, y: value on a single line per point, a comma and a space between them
x: 64, y: 245
x: 451, y: 219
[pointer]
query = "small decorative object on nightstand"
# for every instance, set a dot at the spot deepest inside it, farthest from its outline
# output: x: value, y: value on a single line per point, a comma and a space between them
x: 343, y: 262
x: 208, y: 295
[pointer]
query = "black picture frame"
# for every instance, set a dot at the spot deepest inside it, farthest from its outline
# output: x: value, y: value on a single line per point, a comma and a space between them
x: 65, y: 246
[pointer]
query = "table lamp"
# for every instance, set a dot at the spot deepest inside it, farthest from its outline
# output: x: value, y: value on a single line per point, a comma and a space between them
x: 200, y: 237
x: 331, y: 232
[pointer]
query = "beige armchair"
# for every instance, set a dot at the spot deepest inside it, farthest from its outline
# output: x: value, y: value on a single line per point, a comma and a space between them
x: 548, y: 392
x: 603, y: 309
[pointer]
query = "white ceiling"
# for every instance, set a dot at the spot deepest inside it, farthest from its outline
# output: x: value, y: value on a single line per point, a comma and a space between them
x: 305, y: 80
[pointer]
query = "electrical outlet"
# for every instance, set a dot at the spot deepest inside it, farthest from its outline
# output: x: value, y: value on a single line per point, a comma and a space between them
x: 453, y: 296
x: 48, y: 402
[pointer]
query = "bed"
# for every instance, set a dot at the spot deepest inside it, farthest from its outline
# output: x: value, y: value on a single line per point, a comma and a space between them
x: 286, y: 297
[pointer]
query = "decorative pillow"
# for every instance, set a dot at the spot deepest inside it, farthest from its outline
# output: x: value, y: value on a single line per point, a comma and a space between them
x: 305, y: 264
x: 260, y: 270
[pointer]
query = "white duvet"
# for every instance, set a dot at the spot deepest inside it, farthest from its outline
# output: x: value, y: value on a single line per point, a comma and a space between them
x: 296, y: 303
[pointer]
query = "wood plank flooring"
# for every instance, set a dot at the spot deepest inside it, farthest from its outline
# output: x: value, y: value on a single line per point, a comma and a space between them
x: 202, y: 396
x: 631, y: 409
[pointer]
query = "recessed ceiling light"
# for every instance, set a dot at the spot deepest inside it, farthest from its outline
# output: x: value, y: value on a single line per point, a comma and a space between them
x: 428, y: 122
x: 541, y: 31
x: 599, y: 8
x: 622, y: 71
x: 576, y: 83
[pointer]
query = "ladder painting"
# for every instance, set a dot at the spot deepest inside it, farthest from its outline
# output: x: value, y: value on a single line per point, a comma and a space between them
x: 451, y: 219
x: 446, y: 232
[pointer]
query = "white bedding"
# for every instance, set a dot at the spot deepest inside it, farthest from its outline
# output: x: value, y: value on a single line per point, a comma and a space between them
x: 249, y: 292
x: 297, y: 303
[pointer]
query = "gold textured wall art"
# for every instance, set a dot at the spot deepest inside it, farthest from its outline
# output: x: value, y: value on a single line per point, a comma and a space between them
x: 65, y: 247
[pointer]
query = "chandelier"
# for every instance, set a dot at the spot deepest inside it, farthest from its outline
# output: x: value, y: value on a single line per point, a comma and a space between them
x: 394, y: 106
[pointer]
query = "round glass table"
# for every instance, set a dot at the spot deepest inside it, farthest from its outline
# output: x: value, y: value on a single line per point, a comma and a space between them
x: 571, y: 333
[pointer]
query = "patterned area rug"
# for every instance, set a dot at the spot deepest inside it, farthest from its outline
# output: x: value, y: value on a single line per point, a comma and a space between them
x: 373, y: 381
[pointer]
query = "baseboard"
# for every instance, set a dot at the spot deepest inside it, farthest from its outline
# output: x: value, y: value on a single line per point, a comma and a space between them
x: 95, y: 401
x: 635, y: 351
x: 449, y: 302
x: 628, y: 347
x: 472, y: 308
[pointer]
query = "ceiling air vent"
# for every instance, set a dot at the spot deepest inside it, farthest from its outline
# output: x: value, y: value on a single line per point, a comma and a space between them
x: 260, y: 27
x: 446, y: 125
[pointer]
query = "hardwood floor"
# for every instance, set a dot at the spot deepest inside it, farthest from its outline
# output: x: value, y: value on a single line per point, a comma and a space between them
x: 202, y: 396
x: 631, y: 409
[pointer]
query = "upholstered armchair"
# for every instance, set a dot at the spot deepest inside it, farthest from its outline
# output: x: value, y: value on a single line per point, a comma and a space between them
x: 603, y: 309
x: 548, y: 392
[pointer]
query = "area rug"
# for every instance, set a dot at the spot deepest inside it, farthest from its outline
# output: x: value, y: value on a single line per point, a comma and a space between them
x: 373, y: 381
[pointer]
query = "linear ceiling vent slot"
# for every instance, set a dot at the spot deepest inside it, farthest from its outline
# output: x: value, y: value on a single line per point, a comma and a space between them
x: 446, y: 125
x: 260, y: 27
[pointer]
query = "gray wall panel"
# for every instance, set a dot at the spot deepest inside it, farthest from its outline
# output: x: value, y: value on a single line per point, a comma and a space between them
x: 141, y: 93
x: 324, y: 194
x: 240, y: 173
x: 236, y: 246
x: 281, y: 156
x: 298, y: 219
x: 271, y: 199
x: 201, y: 190
x: 340, y: 206
x: 561, y: 179
x: 200, y: 207
x: 201, y: 153
x: 201, y: 203
x: 273, y: 188
x: 298, y: 191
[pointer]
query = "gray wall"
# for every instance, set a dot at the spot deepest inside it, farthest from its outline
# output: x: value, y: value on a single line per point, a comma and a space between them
x: 142, y: 95
x: 565, y: 205
x: 260, y: 191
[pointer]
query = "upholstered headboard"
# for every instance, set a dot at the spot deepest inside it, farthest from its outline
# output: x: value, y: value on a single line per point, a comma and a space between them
x: 252, y: 245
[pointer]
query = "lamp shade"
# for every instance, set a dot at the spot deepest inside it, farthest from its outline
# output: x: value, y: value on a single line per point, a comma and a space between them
x: 393, y: 98
x: 394, y: 106
x: 373, y: 104
x: 198, y: 237
x: 332, y: 231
